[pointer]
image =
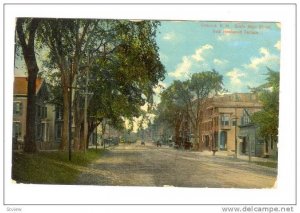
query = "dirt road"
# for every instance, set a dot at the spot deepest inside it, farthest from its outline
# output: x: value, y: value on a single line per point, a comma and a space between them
x: 138, y: 165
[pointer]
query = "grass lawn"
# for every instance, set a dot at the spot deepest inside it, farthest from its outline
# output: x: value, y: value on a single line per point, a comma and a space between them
x: 267, y: 164
x: 51, y: 167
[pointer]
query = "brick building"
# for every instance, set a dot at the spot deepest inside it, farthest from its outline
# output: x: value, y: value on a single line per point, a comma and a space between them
x: 221, y: 117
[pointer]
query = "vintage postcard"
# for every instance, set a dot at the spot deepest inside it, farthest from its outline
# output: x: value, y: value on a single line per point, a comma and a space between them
x: 168, y: 104
x: 149, y: 103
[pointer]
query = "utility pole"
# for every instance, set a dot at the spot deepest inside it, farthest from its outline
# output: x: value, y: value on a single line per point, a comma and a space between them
x: 86, y: 93
x: 85, y: 110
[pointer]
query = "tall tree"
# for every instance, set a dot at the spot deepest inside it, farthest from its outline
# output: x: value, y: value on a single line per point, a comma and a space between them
x: 184, y: 99
x: 26, y: 29
x: 67, y: 40
x: 120, y: 57
x: 125, y: 72
x: 173, y: 108
x: 202, y: 85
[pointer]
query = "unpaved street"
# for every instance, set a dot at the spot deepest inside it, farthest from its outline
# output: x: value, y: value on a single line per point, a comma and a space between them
x: 137, y: 165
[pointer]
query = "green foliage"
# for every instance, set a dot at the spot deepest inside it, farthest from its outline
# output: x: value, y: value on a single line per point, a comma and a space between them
x: 120, y: 56
x: 125, y: 72
x: 184, y: 98
x: 270, y: 164
x: 205, y: 83
x: 50, y: 167
x: 267, y: 119
x: 173, y: 104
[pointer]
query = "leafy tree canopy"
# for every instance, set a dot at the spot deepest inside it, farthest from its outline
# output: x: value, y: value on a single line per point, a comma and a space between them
x: 267, y: 118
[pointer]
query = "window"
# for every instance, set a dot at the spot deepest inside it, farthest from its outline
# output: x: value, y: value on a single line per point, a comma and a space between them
x: 41, y: 112
x: 44, y: 112
x: 245, y: 119
x: 234, y: 123
x: 18, y: 108
x: 17, y: 131
x: 58, y: 113
x: 225, y: 120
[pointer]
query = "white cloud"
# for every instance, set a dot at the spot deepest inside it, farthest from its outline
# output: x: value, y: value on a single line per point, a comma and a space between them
x: 278, y: 45
x: 169, y: 36
x: 265, y: 59
x: 160, y: 87
x: 264, y: 51
x: 220, y: 61
x: 235, y: 76
x: 182, y: 69
x: 198, y: 54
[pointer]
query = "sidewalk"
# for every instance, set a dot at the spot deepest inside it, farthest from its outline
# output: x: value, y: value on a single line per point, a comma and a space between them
x: 226, y: 154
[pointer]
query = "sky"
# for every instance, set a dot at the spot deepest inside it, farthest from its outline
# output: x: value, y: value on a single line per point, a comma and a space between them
x: 240, y: 51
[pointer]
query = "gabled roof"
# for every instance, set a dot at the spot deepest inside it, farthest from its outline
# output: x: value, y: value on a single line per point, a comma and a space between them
x: 20, y: 85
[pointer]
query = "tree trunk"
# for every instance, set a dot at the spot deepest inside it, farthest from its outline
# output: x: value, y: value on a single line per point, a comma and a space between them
x: 77, y: 121
x: 198, y: 141
x: 87, y: 140
x: 30, y: 144
x: 77, y: 136
x: 177, y: 139
x: 81, y: 147
x: 65, y: 129
x: 89, y: 132
x: 32, y: 68
x: 91, y: 127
